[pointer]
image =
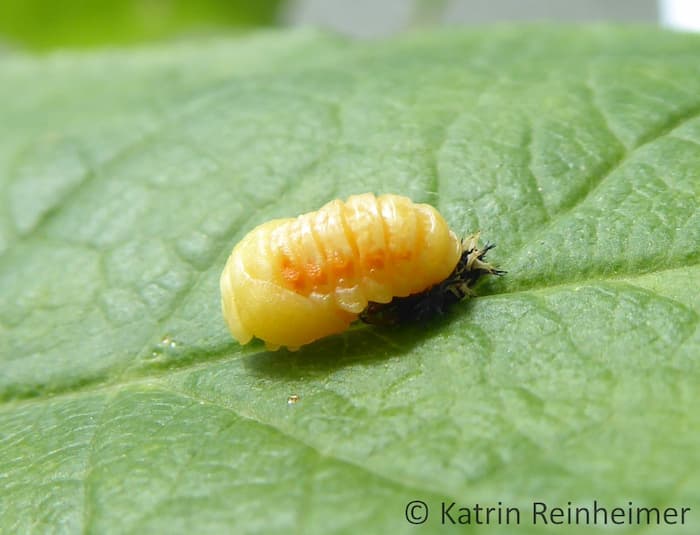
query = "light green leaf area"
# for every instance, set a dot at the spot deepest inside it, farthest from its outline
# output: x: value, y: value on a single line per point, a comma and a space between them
x: 127, y: 177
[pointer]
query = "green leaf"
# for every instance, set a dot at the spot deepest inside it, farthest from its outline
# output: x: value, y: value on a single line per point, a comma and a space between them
x: 42, y: 24
x: 126, y: 177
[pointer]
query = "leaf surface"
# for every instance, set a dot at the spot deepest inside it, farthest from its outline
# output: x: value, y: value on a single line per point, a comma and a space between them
x: 127, y: 177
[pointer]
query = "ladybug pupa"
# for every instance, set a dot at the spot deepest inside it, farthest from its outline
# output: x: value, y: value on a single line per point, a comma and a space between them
x: 382, y: 259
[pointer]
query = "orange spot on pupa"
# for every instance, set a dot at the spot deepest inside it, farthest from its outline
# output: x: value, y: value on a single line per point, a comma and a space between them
x: 293, y: 277
x: 315, y: 274
x: 341, y: 267
x: 375, y: 260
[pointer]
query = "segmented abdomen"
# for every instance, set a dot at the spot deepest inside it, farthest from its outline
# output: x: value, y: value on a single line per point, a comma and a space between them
x: 334, y: 261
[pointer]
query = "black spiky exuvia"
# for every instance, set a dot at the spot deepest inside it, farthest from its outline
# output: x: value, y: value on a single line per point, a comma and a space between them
x: 438, y: 298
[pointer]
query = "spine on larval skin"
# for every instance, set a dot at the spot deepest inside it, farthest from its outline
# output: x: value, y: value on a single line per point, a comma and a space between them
x: 292, y: 281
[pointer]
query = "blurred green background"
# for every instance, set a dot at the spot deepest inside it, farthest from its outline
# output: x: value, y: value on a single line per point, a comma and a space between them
x: 44, y: 24
x: 41, y: 25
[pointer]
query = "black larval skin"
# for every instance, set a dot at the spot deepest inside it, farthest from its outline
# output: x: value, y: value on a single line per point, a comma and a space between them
x: 438, y: 298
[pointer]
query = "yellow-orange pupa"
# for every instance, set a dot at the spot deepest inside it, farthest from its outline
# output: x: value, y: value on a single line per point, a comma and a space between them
x: 292, y: 281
